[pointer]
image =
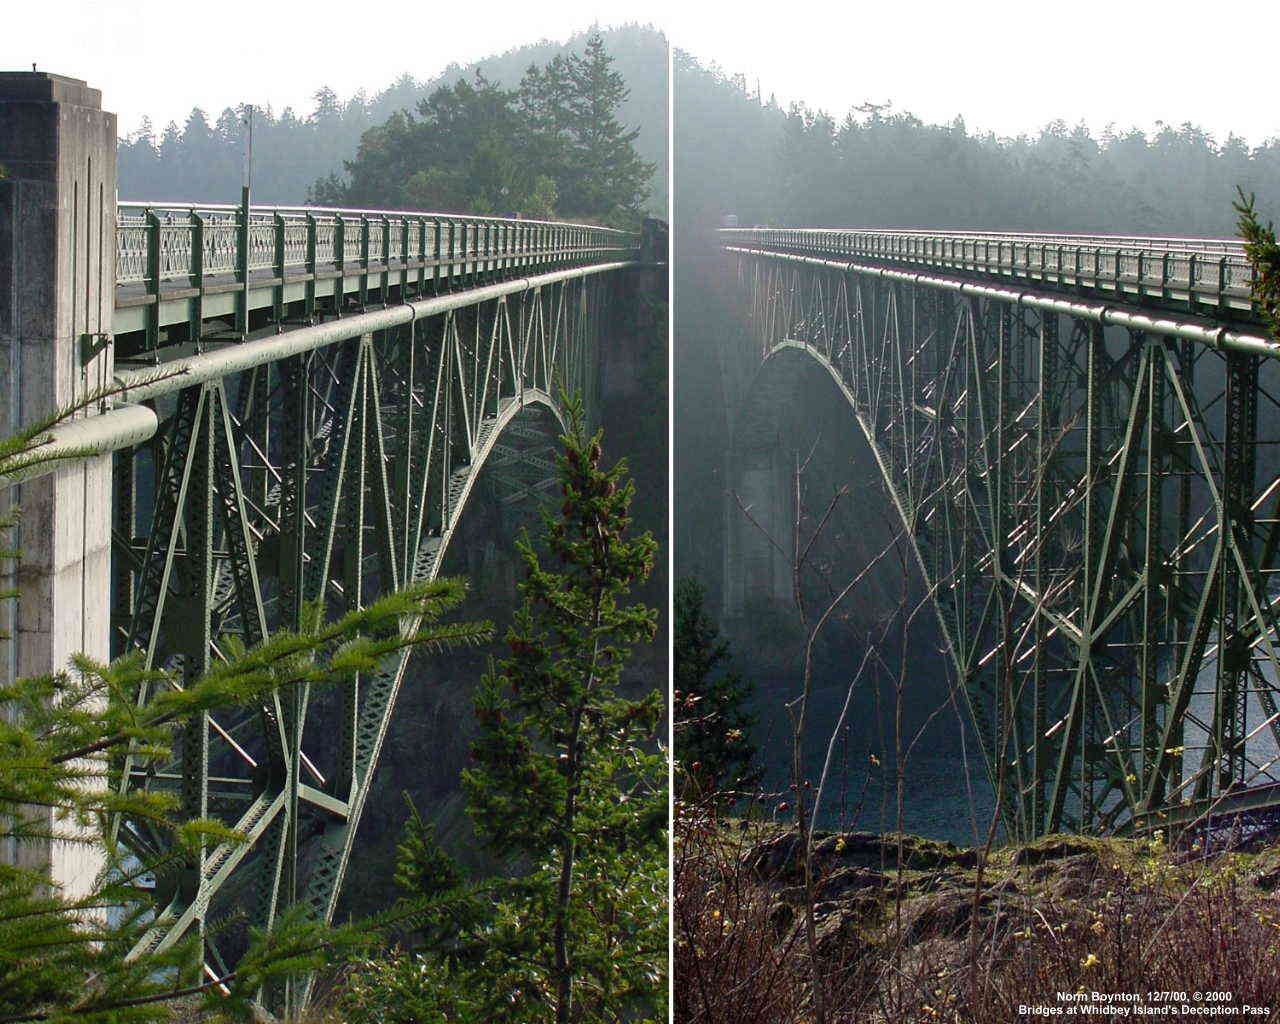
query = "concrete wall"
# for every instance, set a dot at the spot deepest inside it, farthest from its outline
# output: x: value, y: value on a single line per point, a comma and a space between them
x: 57, y: 284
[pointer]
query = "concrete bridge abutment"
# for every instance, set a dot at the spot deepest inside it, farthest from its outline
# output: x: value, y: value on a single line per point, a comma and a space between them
x: 57, y: 291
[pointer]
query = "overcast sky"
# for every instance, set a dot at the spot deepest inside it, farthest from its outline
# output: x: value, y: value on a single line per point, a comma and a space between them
x: 1011, y: 66
x: 1006, y: 66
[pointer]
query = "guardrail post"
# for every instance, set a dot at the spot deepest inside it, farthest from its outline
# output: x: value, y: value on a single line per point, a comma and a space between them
x: 384, y: 279
x: 436, y: 255
x: 405, y: 236
x: 195, y: 318
x: 339, y: 263
x: 57, y: 277
x: 364, y: 262
x: 452, y: 246
x: 469, y: 271
x: 242, y: 264
x: 153, y: 281
x: 277, y: 264
x: 309, y: 300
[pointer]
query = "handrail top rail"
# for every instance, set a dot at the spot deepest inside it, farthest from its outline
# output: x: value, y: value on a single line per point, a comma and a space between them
x: 134, y: 204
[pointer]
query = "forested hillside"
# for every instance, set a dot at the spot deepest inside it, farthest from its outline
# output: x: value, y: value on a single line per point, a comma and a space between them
x: 874, y: 166
x: 202, y: 160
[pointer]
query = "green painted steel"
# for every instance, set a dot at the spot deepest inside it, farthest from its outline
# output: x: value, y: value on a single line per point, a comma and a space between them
x: 1091, y: 491
x: 313, y: 396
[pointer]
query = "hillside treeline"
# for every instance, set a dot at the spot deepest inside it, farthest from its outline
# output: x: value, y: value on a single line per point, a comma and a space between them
x: 877, y: 166
x: 202, y: 159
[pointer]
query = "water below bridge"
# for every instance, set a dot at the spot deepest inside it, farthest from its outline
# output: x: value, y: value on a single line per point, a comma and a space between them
x: 946, y: 790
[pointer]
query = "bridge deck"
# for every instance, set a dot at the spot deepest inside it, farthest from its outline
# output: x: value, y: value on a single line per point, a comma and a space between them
x: 180, y: 264
x: 1200, y: 275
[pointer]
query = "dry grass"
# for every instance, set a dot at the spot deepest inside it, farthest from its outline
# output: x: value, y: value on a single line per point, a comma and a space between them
x: 1062, y: 916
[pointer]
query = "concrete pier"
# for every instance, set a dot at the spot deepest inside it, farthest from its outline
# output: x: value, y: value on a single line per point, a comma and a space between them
x: 756, y: 569
x: 57, y: 289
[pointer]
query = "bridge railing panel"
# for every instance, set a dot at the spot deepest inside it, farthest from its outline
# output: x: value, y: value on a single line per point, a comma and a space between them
x: 157, y: 243
x: 294, y: 241
x: 1183, y: 272
x: 262, y: 243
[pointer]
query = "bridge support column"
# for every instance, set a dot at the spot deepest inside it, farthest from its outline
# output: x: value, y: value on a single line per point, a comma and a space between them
x: 57, y: 296
x: 755, y: 568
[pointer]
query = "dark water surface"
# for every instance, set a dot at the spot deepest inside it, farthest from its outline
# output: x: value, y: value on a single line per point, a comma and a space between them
x: 946, y: 792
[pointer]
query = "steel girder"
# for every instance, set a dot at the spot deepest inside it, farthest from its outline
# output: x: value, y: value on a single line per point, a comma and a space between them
x: 1095, y: 511
x: 334, y: 474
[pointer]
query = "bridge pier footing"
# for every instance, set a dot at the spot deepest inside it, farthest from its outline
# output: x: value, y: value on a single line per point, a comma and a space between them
x: 57, y: 292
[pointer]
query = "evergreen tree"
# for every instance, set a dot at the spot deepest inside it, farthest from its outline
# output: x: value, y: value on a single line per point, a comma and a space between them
x: 328, y: 106
x: 605, y: 178
x: 1262, y: 250
x: 541, y: 99
x: 465, y: 151
x: 562, y: 777
x: 566, y: 784
x: 715, y: 757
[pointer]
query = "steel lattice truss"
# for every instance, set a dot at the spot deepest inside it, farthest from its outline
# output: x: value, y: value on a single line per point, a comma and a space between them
x: 332, y: 474
x: 1096, y: 509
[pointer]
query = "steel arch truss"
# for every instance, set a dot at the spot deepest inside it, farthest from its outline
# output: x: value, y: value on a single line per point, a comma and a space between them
x: 1097, y: 513
x: 333, y: 475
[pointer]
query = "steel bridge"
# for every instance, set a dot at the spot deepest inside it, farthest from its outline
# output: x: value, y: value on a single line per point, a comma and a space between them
x: 1078, y: 436
x: 302, y: 403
